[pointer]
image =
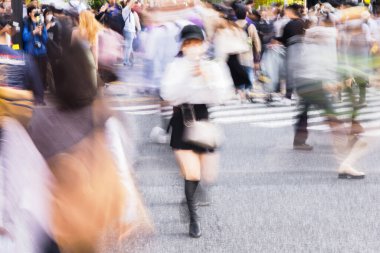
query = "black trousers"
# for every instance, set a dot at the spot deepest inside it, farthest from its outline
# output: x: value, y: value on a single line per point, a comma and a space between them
x: 41, y: 63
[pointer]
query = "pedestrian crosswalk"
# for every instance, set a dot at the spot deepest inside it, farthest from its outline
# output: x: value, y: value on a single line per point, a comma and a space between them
x: 261, y: 115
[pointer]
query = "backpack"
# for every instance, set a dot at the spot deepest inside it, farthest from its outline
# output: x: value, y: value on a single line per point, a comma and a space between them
x: 265, y: 31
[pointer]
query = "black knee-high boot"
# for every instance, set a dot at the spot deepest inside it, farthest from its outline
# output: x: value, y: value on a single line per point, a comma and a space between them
x: 195, y: 226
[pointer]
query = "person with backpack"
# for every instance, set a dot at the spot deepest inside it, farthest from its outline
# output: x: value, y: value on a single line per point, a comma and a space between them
x: 129, y: 31
x: 265, y: 29
x: 247, y: 59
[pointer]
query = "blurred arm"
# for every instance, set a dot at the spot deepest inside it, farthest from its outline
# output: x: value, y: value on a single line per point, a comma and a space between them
x: 27, y: 35
x: 137, y: 21
x: 44, y: 35
x: 252, y: 31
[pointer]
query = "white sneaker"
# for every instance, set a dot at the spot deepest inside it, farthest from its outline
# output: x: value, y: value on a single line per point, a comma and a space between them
x: 347, y: 172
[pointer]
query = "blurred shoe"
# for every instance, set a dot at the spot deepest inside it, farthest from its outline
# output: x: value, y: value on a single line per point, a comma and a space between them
x: 286, y: 101
x: 195, y: 229
x: 195, y: 225
x: 303, y: 147
x: 356, y: 128
x: 159, y: 135
x: 347, y: 172
x: 40, y: 103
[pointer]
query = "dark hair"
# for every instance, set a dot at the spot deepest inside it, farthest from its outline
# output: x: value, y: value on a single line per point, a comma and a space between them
x: 248, y: 2
x: 77, y: 80
x: 256, y: 13
x: 30, y: 8
x: 47, y: 10
x: 296, y: 8
x: 240, y: 12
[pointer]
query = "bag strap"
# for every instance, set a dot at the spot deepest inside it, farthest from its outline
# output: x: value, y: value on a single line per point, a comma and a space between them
x: 184, y: 107
x: 128, y: 17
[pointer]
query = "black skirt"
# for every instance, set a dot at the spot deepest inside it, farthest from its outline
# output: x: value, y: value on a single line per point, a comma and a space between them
x: 178, y: 128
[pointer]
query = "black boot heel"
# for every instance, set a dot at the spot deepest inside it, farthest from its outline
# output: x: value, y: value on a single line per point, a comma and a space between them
x: 349, y: 176
x: 195, y: 229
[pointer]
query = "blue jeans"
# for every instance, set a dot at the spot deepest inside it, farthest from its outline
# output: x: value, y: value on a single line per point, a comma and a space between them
x: 128, y: 37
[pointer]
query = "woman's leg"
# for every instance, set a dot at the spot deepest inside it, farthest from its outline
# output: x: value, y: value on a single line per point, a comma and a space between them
x: 190, y: 166
x: 209, y: 175
x: 128, y: 37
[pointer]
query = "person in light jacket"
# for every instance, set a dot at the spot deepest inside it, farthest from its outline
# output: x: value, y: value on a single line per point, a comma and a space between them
x: 189, y: 84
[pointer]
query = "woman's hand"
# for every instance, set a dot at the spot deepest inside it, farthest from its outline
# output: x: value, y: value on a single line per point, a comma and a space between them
x: 104, y: 7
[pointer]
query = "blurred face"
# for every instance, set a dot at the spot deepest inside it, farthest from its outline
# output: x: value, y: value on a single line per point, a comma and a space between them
x: 193, y: 49
x: 112, y: 2
x: 49, y: 16
x: 290, y: 13
x: 32, y: 15
x: 7, y: 4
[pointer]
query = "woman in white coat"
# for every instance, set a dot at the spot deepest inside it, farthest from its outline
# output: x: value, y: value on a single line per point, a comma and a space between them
x: 189, y: 84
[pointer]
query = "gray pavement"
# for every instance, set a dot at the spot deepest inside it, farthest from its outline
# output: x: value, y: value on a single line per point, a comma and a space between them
x: 268, y: 198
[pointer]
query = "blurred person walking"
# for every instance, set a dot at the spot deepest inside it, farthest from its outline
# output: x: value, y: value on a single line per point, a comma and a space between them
x: 292, y: 37
x: 253, y: 40
x: 318, y: 68
x: 35, y: 38
x: 110, y: 15
x: 189, y: 84
x: 88, y: 32
x: 130, y: 30
x: 53, y: 45
x: 83, y: 145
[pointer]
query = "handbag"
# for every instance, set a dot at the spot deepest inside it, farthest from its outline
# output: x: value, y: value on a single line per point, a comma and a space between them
x: 201, y: 133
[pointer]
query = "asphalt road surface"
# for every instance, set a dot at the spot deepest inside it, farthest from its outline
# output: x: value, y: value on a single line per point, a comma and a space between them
x: 268, y: 198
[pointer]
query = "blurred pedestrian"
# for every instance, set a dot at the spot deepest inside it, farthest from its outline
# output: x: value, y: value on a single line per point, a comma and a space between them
x: 189, y: 84
x: 35, y: 38
x: 110, y: 15
x: 88, y: 32
x: 253, y: 40
x: 318, y: 68
x: 53, y: 45
x: 130, y: 28
x: 292, y: 38
x: 76, y: 136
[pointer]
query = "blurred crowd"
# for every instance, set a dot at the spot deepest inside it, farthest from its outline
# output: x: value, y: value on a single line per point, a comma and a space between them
x: 75, y: 150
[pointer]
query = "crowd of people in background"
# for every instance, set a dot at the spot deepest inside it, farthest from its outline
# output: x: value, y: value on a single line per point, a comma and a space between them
x: 203, y: 54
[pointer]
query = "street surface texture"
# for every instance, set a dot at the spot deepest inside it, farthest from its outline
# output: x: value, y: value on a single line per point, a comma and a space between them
x: 268, y: 198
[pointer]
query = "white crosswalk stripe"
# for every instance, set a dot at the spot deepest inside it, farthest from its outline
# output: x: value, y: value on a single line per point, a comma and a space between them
x: 260, y: 115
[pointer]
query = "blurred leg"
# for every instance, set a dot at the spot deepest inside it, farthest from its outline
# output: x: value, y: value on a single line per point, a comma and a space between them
x: 301, y: 132
x: 128, y: 36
